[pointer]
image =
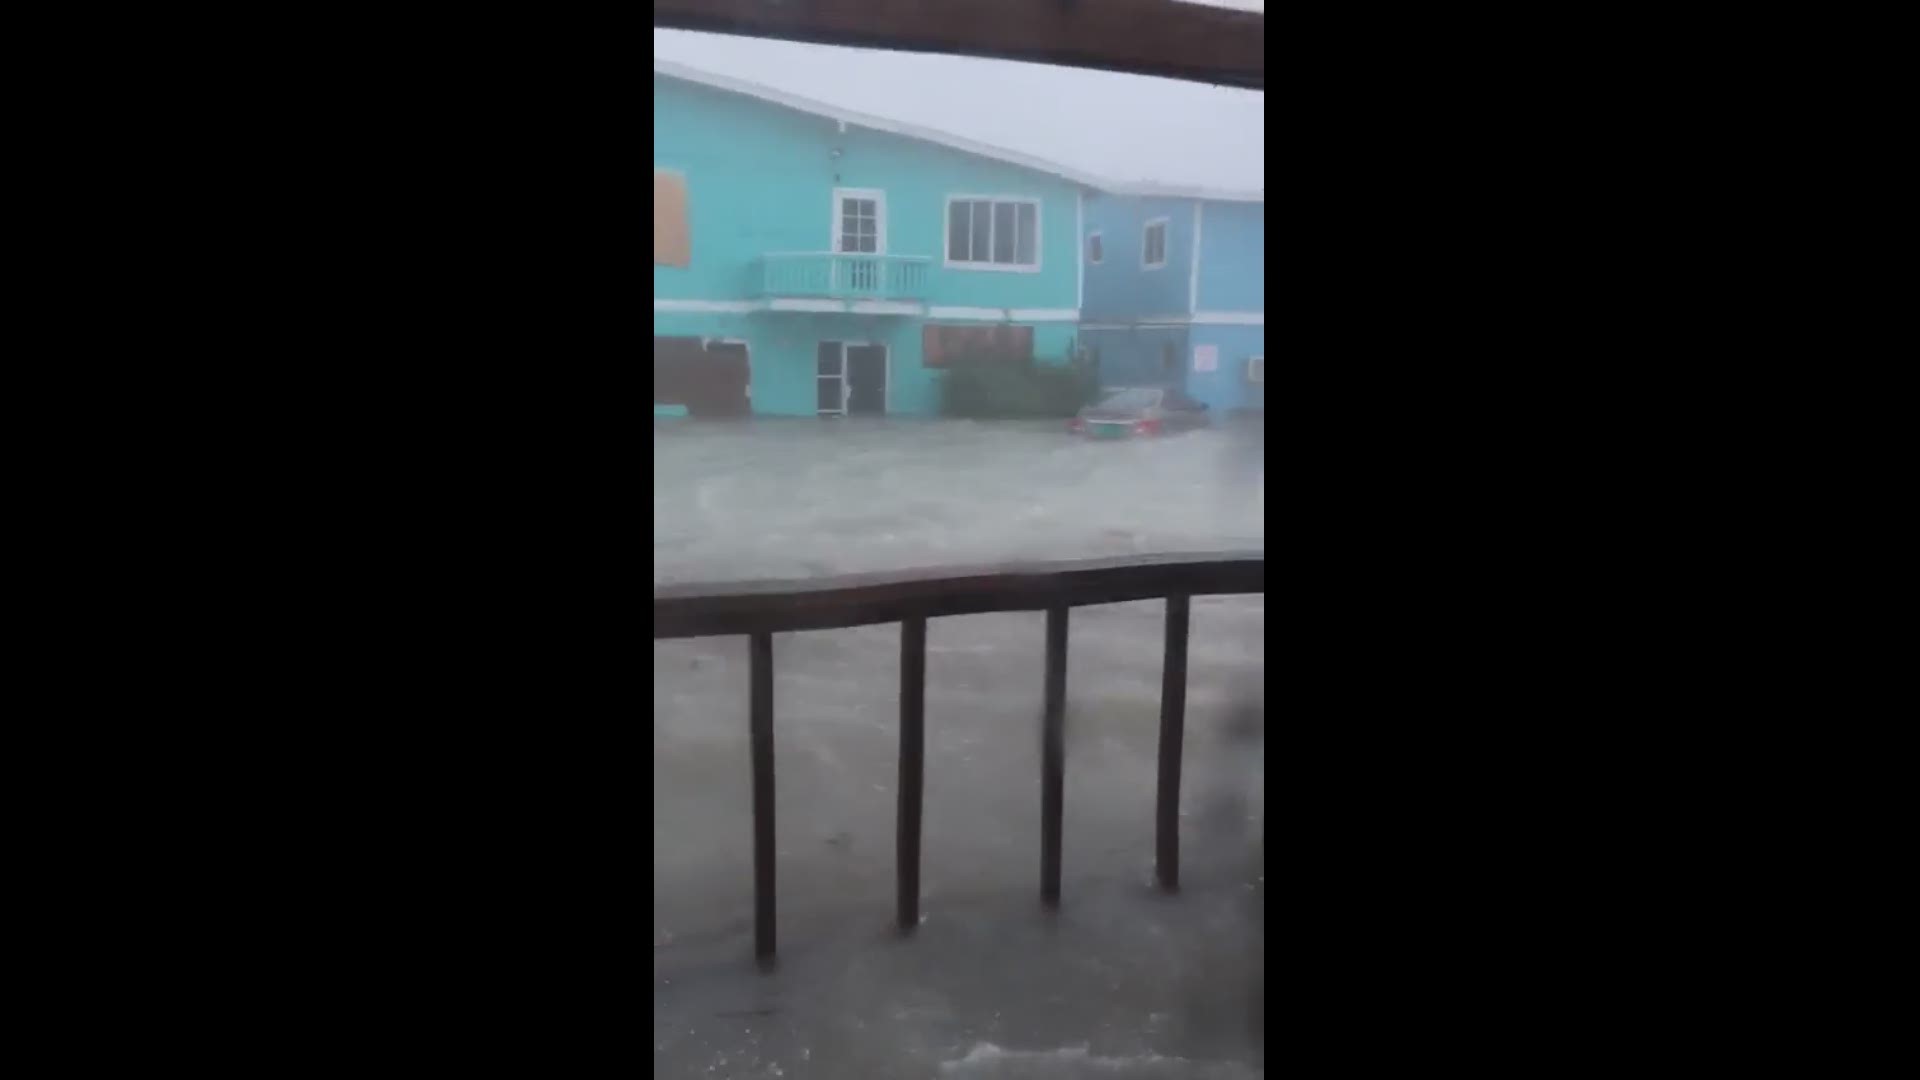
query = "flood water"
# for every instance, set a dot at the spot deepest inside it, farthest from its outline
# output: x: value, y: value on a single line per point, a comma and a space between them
x: 1122, y: 981
x: 804, y: 498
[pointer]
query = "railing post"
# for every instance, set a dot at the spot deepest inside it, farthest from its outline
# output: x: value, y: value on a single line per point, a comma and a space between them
x: 760, y: 700
x: 1173, y: 723
x: 913, y: 701
x: 1053, y: 756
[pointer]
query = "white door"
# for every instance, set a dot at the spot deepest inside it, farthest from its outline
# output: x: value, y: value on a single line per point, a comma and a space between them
x: 830, y: 378
x: 859, y: 228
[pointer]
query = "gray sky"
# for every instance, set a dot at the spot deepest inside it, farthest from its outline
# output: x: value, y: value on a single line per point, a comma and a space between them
x: 1128, y: 128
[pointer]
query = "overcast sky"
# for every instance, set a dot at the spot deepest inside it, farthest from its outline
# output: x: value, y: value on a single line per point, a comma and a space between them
x: 1124, y: 127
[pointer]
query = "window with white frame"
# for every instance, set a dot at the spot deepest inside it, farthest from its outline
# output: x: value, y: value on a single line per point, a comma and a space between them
x: 1094, y: 252
x: 859, y: 221
x: 987, y: 233
x: 1153, y: 244
x: 1257, y: 369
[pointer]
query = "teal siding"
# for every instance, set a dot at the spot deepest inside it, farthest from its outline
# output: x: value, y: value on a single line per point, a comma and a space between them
x: 1118, y: 286
x: 1227, y: 389
x: 760, y: 179
x: 1131, y: 314
x: 1138, y: 355
x: 1233, y: 256
x: 781, y: 354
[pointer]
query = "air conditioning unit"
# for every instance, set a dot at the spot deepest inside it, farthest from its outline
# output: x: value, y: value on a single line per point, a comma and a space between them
x: 1257, y: 369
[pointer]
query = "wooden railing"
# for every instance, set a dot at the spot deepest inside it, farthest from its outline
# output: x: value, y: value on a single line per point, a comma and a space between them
x: 761, y: 609
x: 841, y: 276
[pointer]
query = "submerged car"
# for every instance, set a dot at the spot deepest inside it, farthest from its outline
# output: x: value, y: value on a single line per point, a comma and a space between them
x: 1141, y: 410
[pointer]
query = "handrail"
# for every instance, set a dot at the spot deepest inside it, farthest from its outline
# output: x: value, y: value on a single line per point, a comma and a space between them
x: 851, y: 254
x: 841, y: 275
x: 760, y: 609
x: 780, y: 606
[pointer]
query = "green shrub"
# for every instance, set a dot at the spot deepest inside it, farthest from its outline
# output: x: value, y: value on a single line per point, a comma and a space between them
x: 997, y: 389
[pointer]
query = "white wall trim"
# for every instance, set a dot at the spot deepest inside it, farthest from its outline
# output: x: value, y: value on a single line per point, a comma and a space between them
x: 1193, y: 273
x: 710, y: 307
x: 990, y: 314
x: 899, y: 307
x: 807, y: 305
x: 886, y: 307
x: 1080, y: 247
x: 1198, y: 318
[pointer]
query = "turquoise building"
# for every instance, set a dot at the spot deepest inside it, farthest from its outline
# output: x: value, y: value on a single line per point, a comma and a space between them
x: 1176, y: 293
x: 810, y: 261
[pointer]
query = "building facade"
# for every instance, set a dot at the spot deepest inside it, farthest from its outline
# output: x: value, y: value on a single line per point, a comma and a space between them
x: 809, y: 261
x: 1175, y: 294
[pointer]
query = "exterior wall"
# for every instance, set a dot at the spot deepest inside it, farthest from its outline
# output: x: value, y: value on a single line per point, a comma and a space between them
x: 1135, y: 355
x: 781, y: 354
x: 1226, y: 389
x: 1233, y: 256
x: 1119, y: 286
x: 1220, y: 301
x: 760, y: 179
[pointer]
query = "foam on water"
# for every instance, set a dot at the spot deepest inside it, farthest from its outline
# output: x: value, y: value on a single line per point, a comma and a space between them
x: 987, y: 1060
x: 807, y: 498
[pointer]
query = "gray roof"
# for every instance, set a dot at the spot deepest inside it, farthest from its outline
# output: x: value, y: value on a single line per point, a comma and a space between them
x: 926, y: 134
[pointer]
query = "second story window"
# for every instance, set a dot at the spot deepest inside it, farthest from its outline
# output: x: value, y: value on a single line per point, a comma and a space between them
x: 1094, y: 253
x: 1153, y: 245
x: 993, y: 234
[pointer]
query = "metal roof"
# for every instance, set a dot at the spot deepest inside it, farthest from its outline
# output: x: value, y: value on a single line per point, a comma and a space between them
x: 789, y: 100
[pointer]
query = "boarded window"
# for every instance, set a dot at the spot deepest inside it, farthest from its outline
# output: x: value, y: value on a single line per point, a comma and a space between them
x: 709, y: 378
x: 671, y: 243
x: 985, y: 343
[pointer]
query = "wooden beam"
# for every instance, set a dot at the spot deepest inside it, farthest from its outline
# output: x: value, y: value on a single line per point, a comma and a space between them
x: 759, y: 607
x: 1144, y: 37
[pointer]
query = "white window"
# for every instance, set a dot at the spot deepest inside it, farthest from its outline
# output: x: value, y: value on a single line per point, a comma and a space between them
x: 860, y: 221
x: 992, y: 233
x: 1153, y: 245
x: 1094, y: 252
x: 1257, y: 369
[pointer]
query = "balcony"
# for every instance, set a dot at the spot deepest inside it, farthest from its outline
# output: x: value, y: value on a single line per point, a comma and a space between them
x: 828, y: 281
x: 760, y: 610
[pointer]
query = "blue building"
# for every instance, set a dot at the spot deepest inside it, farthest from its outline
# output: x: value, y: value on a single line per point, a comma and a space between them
x: 810, y: 261
x: 1175, y: 293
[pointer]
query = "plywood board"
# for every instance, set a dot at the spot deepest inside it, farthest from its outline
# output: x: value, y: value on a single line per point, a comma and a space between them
x: 672, y: 246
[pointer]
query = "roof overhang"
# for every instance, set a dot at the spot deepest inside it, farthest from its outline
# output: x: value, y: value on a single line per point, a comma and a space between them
x: 1167, y: 38
x: 942, y: 138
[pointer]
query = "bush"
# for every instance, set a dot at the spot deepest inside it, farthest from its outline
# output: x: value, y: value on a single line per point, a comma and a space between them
x: 999, y: 390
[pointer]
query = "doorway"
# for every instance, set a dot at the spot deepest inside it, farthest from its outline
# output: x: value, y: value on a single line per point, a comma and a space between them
x: 859, y: 228
x: 850, y: 378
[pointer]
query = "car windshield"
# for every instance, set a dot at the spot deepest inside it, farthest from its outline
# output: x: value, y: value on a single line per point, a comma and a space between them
x: 1130, y: 399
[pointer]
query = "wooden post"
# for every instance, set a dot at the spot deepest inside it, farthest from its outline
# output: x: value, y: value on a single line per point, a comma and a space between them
x: 1053, y: 756
x: 760, y: 649
x: 913, y: 701
x: 1173, y: 723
